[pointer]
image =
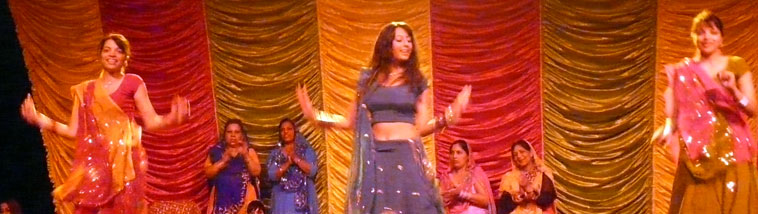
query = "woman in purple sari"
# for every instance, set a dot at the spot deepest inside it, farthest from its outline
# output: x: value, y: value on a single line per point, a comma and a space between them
x: 708, y: 101
x: 231, y: 168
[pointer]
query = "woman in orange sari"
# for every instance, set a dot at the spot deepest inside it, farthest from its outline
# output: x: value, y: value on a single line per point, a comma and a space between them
x: 109, y: 164
x: 528, y: 188
x: 708, y: 101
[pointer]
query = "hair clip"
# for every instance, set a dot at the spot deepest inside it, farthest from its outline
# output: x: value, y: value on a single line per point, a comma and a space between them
x: 398, y: 23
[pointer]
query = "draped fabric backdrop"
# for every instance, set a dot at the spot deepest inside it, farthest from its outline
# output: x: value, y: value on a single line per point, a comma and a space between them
x: 170, y: 52
x: 581, y: 80
x: 494, y: 46
x: 260, y: 50
x: 598, y: 66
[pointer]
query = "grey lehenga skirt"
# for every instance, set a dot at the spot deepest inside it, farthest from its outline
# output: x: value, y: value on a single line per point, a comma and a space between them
x: 396, y: 182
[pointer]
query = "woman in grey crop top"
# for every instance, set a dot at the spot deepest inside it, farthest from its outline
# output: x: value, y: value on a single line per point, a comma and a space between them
x: 389, y: 171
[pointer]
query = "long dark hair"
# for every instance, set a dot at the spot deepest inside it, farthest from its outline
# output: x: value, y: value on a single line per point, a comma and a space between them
x: 382, y: 58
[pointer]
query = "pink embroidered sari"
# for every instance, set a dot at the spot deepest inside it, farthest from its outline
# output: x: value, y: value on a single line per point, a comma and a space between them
x: 715, y: 173
x: 109, y: 166
x: 476, y: 177
x: 711, y: 126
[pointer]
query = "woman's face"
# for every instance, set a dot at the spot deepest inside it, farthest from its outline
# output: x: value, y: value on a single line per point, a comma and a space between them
x: 112, y: 57
x: 5, y: 209
x: 459, y: 156
x: 233, y: 135
x: 288, y: 132
x: 402, y: 45
x: 708, y: 39
x: 521, y: 156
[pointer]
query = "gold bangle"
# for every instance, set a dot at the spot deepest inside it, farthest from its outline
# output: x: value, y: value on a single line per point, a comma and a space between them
x: 55, y: 128
x: 449, y: 115
x: 329, y: 118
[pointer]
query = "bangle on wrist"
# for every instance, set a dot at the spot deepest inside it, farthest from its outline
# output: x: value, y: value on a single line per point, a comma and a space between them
x: 449, y: 115
x: 328, y: 118
x: 54, y: 127
x: 744, y: 101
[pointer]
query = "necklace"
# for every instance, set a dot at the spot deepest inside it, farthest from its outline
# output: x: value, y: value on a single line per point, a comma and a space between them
x: 395, y: 74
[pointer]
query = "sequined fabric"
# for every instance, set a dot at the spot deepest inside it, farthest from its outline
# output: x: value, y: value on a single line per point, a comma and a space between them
x: 230, y: 184
x: 396, y: 182
x: 512, y: 184
x: 366, y: 172
x: 715, y: 172
x: 174, y: 207
x: 706, y: 109
x: 295, y: 191
x: 294, y: 180
x: 109, y: 163
x: 476, y: 176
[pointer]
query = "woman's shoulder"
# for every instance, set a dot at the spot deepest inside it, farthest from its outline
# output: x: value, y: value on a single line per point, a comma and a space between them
x: 364, y: 73
x: 133, y: 78
x: 83, y: 84
x: 509, y: 173
x: 737, y: 65
x: 276, y: 150
x: 79, y: 89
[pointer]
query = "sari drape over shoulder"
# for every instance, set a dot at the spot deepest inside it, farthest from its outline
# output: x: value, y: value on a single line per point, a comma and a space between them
x: 109, y: 161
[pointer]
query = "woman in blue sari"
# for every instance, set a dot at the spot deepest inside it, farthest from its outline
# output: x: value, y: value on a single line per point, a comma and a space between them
x: 231, y: 168
x: 292, y: 169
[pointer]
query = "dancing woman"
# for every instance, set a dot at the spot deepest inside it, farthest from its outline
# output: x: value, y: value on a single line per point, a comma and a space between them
x: 109, y: 166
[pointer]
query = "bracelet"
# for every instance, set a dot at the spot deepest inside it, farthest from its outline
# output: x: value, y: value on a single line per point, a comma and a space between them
x: 438, y: 122
x: 52, y: 123
x: 744, y: 101
x: 329, y: 118
x: 296, y: 161
x: 667, y: 129
x: 464, y: 195
x: 55, y: 128
x: 449, y: 115
x: 282, y: 170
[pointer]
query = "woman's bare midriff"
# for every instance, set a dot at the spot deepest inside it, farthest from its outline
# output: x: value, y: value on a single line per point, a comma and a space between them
x: 394, y: 131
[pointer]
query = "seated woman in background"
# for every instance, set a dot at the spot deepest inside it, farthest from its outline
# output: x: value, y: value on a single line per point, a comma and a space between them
x: 231, y: 168
x: 292, y: 169
x: 465, y: 188
x: 528, y: 187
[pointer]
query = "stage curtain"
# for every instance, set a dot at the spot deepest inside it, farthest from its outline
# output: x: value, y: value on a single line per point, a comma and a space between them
x: 59, y: 41
x: 674, y: 44
x: 261, y: 50
x: 347, y: 32
x: 494, y: 46
x: 170, y: 52
x: 598, y: 86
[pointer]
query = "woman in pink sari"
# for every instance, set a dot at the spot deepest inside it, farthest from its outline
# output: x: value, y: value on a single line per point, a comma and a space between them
x: 708, y: 101
x: 109, y: 164
x: 466, y: 188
